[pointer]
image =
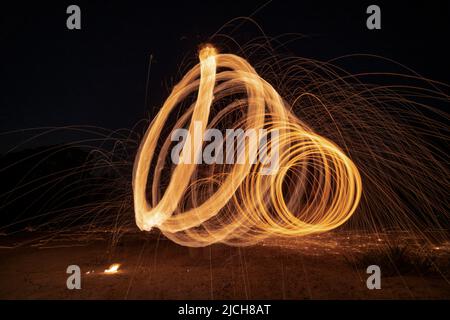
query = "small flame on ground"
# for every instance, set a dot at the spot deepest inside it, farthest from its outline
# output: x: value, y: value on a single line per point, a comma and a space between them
x: 113, y: 268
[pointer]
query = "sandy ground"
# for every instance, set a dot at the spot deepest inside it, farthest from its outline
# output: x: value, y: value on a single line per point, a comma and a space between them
x: 308, y: 268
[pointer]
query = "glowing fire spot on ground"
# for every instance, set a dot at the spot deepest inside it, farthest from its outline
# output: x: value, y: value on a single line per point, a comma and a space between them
x: 114, y: 268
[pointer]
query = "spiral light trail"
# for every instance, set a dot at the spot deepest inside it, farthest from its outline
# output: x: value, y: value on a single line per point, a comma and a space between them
x: 315, y: 189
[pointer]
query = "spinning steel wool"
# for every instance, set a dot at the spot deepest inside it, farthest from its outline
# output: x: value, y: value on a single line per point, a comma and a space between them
x: 315, y: 188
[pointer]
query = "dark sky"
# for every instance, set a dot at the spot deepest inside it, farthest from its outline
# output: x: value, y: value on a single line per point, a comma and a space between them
x: 51, y: 76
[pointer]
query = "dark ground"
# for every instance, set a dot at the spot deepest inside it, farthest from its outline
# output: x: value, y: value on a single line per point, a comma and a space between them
x: 317, y: 267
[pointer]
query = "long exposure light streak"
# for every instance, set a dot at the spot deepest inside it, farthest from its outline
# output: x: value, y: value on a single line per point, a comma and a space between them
x: 316, y: 188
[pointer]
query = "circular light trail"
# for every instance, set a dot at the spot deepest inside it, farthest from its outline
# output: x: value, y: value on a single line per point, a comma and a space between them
x: 315, y: 189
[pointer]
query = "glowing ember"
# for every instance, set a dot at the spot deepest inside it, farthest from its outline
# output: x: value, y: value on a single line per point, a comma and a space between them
x: 113, y: 268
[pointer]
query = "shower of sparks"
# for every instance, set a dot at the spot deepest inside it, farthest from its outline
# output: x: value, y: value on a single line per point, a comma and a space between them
x: 391, y: 129
x: 114, y: 268
x: 243, y: 206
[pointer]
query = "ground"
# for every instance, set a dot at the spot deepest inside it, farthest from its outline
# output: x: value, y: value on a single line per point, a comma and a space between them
x: 316, y: 267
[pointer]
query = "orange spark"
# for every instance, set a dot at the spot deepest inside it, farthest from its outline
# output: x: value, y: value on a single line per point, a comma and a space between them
x: 114, y: 268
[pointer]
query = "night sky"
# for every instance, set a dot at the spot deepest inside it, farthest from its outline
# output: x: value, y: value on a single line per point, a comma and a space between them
x: 52, y: 76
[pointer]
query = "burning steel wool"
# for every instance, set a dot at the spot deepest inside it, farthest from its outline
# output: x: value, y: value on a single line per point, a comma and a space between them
x: 236, y: 204
x: 350, y: 153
